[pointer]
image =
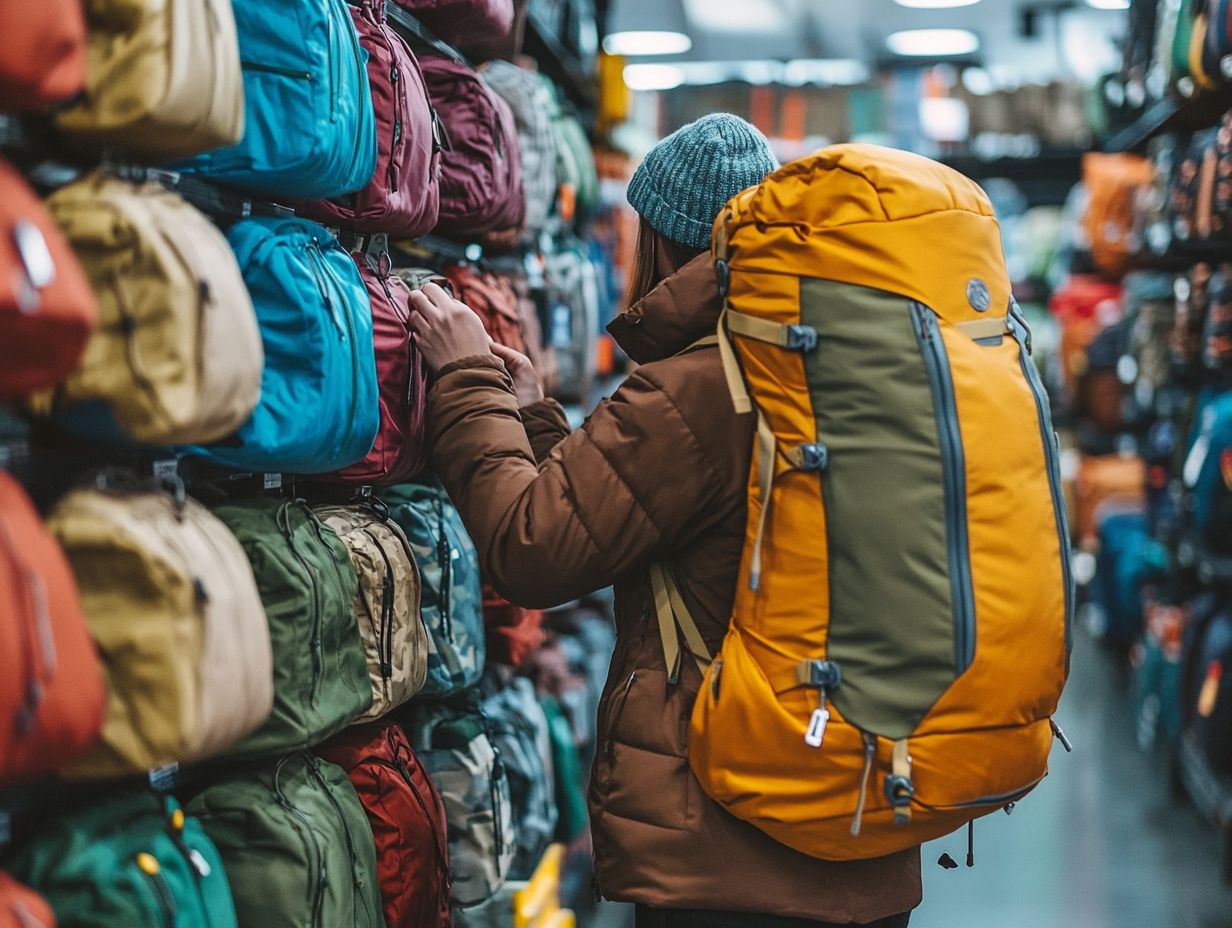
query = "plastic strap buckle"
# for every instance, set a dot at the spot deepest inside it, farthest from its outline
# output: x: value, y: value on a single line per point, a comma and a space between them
x: 812, y: 457
x: 801, y: 338
x: 825, y: 675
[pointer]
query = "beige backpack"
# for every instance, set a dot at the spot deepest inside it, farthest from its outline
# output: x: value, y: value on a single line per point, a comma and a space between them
x: 164, y: 79
x: 177, y: 357
x: 387, y: 604
x: 170, y: 600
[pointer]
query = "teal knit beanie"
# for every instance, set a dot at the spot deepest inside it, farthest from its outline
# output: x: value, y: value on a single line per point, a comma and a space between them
x: 689, y: 176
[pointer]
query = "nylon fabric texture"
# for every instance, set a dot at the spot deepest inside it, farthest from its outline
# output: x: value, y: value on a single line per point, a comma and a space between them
x: 164, y: 79
x: 177, y: 357
x: 43, y: 61
x: 308, y: 586
x: 317, y: 332
x: 940, y: 721
x: 309, y: 125
x: 52, y: 698
x: 386, y: 603
x: 171, y: 603
x: 47, y: 313
x: 296, y: 845
x: 129, y: 860
x: 452, y: 599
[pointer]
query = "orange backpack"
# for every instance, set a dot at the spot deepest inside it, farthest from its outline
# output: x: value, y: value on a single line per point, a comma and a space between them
x: 900, y: 635
x: 1113, y: 183
x: 51, y: 682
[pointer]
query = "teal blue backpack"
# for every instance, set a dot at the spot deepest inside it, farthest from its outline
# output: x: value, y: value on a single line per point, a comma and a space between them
x: 310, y: 131
x: 319, y: 409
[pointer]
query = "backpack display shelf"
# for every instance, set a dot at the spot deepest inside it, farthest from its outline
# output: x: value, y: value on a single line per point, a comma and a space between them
x: 184, y: 829
x: 1176, y: 556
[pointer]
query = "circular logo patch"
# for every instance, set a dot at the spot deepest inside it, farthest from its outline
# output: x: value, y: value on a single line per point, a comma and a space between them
x: 978, y: 295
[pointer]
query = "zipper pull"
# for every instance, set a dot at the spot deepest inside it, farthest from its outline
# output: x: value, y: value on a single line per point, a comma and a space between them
x: 1060, y: 736
x: 970, y: 844
x: 816, y: 732
x: 870, y: 755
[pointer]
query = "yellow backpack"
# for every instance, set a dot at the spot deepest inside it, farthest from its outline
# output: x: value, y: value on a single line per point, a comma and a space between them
x: 900, y: 637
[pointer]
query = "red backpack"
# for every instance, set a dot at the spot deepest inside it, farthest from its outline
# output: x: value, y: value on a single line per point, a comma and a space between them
x: 399, y: 452
x: 47, y: 310
x: 481, y: 166
x: 43, y: 55
x: 408, y: 822
x: 465, y: 23
x: 22, y: 907
x: 403, y: 197
x: 51, y: 682
x: 493, y: 300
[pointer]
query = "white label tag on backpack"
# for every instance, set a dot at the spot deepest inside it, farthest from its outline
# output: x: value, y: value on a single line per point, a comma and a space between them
x: 816, y: 733
x: 1196, y: 459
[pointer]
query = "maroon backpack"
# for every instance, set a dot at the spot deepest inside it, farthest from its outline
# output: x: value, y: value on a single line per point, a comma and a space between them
x: 403, y: 196
x: 408, y: 822
x: 399, y: 451
x: 481, y: 166
x: 466, y: 24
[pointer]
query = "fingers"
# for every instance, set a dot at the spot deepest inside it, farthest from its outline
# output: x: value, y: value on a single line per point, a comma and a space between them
x: 513, y: 359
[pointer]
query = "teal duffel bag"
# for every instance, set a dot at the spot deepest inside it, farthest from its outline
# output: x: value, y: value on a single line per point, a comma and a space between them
x: 130, y: 860
x: 319, y: 409
x: 309, y: 128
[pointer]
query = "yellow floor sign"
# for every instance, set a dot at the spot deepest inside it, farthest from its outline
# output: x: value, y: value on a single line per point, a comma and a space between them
x: 537, y: 905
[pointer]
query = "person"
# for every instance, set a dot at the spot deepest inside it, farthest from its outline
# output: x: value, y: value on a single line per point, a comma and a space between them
x: 657, y: 475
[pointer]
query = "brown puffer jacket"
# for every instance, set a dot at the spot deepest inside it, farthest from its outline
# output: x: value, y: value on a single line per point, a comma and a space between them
x: 658, y: 474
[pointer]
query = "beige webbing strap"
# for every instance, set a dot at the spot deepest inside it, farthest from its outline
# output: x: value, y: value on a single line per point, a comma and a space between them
x: 985, y: 328
x: 708, y: 341
x: 731, y: 368
x: 672, y: 613
x: 767, y: 446
x: 901, y: 767
x: 763, y: 330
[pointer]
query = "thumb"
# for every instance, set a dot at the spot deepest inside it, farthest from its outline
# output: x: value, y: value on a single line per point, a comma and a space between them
x: 513, y: 359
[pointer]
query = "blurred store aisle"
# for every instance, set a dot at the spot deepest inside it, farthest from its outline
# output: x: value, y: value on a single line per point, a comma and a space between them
x: 1099, y: 845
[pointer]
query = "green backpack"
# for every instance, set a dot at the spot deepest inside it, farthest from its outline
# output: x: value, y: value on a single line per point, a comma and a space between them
x: 296, y: 844
x: 451, y: 600
x: 131, y: 860
x: 308, y: 586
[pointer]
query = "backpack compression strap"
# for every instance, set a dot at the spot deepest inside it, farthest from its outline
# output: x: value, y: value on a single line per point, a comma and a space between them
x: 672, y: 614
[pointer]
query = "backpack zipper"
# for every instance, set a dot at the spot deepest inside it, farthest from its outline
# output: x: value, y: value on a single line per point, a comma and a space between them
x: 949, y: 435
x: 1022, y: 334
x: 385, y: 639
x: 444, y: 560
x: 322, y: 877
x: 314, y: 766
x: 40, y: 642
x: 316, y: 259
x: 152, y: 871
x: 397, y: 765
x: 197, y: 864
x: 275, y: 69
x: 283, y: 520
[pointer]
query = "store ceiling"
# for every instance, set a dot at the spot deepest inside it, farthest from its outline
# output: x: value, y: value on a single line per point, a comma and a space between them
x: 1079, y: 44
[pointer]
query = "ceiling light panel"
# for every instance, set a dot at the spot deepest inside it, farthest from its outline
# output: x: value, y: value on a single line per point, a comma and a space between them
x: 933, y: 43
x: 635, y: 44
x: 935, y: 4
x: 741, y: 16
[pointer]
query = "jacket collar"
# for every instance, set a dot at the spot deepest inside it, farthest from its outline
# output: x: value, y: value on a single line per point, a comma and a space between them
x: 675, y: 314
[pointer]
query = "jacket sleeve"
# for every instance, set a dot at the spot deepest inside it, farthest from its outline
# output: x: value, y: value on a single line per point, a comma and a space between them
x: 546, y: 427
x: 622, y: 491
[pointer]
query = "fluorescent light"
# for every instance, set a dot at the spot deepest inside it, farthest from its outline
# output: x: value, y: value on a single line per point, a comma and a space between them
x: 739, y: 16
x: 935, y: 4
x: 636, y: 44
x: 933, y: 43
x: 1109, y: 4
x: 653, y: 76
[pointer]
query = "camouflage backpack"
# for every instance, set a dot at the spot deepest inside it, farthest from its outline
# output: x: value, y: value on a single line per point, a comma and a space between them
x: 519, y: 731
x: 452, y: 743
x: 451, y: 601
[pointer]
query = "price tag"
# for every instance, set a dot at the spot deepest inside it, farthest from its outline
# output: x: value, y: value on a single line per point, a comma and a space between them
x: 273, y: 481
x: 166, y: 470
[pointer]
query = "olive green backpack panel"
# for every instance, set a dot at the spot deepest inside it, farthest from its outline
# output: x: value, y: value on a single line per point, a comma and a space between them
x: 308, y: 587
x: 296, y: 844
x: 131, y: 860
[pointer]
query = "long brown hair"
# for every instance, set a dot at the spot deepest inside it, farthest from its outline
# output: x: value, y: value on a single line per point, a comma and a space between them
x: 646, y: 274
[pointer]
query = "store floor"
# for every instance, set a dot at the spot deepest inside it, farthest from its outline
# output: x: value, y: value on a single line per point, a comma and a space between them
x: 1099, y: 845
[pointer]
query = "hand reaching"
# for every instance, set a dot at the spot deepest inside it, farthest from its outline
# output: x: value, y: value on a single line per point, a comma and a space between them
x: 445, y: 329
x: 525, y: 381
